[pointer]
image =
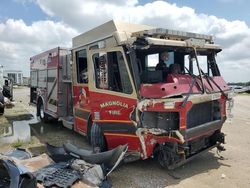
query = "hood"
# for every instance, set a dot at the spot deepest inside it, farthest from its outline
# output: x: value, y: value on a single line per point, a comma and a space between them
x: 178, y: 84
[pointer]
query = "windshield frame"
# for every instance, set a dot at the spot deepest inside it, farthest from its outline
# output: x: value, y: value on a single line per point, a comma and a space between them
x: 211, y: 59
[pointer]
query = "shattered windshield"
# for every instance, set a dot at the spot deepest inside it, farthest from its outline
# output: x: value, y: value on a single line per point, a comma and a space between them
x: 178, y: 71
x: 155, y: 65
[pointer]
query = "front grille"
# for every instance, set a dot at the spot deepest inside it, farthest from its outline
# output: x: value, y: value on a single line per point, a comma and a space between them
x: 203, y: 113
x: 162, y: 120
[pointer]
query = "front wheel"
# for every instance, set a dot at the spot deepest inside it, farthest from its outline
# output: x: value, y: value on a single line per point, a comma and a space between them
x: 97, y: 138
x: 167, y: 155
x: 41, y: 114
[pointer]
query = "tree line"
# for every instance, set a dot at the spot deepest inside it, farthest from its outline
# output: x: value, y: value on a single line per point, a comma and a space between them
x: 240, y: 83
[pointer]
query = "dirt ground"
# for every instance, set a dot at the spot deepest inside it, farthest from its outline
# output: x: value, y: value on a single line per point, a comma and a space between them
x: 208, y: 170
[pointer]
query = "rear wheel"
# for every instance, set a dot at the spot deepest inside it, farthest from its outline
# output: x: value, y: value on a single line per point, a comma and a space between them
x: 97, y: 138
x: 40, y: 112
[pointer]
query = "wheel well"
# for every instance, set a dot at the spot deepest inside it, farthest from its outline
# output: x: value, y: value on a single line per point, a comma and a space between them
x: 156, y: 149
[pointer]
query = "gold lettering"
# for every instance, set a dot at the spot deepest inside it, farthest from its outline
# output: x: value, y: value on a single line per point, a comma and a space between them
x: 114, y: 103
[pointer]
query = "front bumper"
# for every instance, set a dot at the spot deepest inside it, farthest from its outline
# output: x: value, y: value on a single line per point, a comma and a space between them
x: 203, y: 129
x: 149, y: 138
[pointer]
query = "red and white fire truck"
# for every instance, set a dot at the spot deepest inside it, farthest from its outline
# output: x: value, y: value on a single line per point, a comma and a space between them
x: 108, y: 88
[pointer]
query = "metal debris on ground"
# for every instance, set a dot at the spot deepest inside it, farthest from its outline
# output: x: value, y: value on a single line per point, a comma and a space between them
x: 59, y: 174
x: 18, y: 169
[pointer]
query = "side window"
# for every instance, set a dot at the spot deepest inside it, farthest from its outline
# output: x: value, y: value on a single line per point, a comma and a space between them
x: 151, y: 61
x: 119, y: 79
x: 81, y: 66
x: 171, y: 59
x: 101, y: 70
x: 111, y: 72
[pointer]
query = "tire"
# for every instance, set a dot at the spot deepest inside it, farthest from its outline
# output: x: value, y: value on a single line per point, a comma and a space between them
x: 89, y: 130
x: 40, y: 112
x: 97, y: 138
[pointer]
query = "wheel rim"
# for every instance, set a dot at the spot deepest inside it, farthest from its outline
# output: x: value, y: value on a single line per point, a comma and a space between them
x: 41, y: 111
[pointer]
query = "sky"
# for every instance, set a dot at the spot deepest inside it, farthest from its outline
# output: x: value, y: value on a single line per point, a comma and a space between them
x: 28, y: 27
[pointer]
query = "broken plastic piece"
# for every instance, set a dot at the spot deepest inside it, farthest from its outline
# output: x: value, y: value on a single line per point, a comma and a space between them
x: 91, y: 173
x: 58, y: 174
x: 108, y: 158
x: 58, y: 154
x: 11, y: 176
x: 19, y: 153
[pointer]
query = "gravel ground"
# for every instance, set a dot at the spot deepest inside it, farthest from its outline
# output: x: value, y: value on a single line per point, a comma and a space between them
x: 208, y: 170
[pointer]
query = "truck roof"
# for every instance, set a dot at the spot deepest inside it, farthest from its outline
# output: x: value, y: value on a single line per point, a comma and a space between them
x: 45, y: 53
x: 107, y: 30
x: 125, y: 33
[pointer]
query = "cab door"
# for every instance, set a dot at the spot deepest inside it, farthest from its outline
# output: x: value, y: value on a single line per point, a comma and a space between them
x: 112, y: 93
x: 81, y: 100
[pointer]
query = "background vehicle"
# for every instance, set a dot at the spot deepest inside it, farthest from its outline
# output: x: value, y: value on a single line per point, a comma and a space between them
x: 6, y: 90
x: 1, y: 102
x: 118, y: 97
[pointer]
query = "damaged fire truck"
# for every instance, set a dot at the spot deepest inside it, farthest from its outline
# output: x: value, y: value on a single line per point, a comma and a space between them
x: 108, y: 88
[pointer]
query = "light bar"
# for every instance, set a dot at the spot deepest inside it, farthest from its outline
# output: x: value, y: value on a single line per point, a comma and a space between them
x: 186, y: 43
x: 167, y: 33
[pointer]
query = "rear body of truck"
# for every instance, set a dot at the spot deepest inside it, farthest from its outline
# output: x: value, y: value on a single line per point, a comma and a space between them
x: 50, y: 74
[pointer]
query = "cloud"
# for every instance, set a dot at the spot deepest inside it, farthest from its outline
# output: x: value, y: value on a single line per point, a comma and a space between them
x: 77, y: 16
x: 234, y: 36
x: 18, y: 41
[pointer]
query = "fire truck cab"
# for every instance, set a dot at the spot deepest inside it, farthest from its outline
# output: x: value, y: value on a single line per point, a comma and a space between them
x: 113, y: 91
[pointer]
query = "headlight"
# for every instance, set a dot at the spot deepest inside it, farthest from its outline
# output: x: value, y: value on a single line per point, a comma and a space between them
x: 216, y: 96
